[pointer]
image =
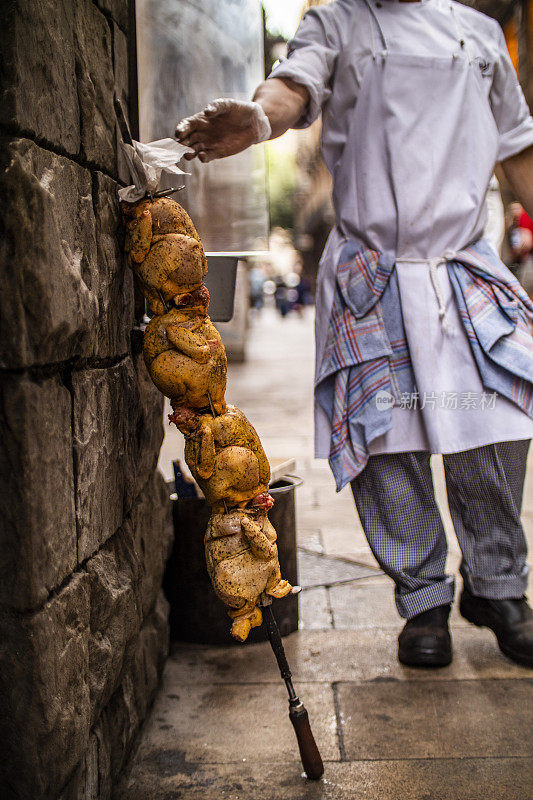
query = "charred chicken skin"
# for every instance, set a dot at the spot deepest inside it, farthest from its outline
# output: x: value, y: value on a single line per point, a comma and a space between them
x: 242, y: 561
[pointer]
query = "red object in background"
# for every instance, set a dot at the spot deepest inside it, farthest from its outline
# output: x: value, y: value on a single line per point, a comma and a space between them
x: 525, y: 221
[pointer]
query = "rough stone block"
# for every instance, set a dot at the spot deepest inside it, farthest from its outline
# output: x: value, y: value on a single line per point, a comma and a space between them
x: 44, y: 694
x: 95, y: 83
x: 130, y: 703
x: 38, y: 70
x: 114, y: 287
x: 118, y: 9
x: 152, y: 526
x: 112, y: 737
x: 106, y: 419
x: 125, y: 579
x: 117, y: 436
x: 150, y: 430
x: 67, y: 292
x: 120, y: 60
x: 114, y: 574
x: 48, y: 307
x: 38, y: 531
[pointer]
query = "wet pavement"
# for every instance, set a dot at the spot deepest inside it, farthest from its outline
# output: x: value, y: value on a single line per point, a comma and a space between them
x: 219, y: 727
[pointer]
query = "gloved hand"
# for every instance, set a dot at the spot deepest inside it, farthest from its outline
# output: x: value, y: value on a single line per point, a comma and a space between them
x: 223, y: 128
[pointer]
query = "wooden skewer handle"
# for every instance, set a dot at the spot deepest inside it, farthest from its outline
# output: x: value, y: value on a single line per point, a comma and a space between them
x: 311, y: 759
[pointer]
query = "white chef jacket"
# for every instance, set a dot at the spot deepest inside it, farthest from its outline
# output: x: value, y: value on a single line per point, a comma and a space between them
x: 328, y: 56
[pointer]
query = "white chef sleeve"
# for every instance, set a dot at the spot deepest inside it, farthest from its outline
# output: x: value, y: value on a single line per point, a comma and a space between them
x: 311, y: 60
x: 509, y: 106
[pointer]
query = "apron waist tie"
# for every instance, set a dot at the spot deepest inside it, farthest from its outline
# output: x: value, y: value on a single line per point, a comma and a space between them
x: 433, y: 264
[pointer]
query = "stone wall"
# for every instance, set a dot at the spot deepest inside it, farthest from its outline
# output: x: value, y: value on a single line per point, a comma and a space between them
x: 85, y: 527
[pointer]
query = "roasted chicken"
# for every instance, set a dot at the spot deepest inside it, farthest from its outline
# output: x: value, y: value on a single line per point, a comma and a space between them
x: 225, y: 456
x: 164, y: 251
x: 186, y: 360
x: 242, y: 561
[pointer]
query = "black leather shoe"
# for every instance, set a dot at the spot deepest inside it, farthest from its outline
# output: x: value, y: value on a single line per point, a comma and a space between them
x: 425, y: 639
x: 511, y: 621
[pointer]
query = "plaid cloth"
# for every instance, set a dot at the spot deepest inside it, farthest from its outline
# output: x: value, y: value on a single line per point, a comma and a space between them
x: 366, y: 350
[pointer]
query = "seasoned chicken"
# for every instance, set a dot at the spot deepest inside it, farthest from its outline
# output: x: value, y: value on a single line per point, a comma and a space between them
x: 169, y: 217
x: 225, y: 456
x: 138, y: 231
x: 175, y: 263
x: 164, y: 250
x: 161, y: 216
x: 186, y: 359
x: 242, y: 561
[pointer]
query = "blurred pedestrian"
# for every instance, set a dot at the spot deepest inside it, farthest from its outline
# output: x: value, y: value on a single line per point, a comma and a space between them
x: 256, y: 278
x: 419, y: 102
x: 281, y: 297
x: 519, y: 238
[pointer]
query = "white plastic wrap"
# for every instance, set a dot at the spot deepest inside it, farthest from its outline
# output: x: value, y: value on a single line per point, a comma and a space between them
x: 147, y: 162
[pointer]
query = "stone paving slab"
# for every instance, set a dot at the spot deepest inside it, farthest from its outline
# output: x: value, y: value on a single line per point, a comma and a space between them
x: 315, y: 610
x: 315, y: 569
x: 168, y: 777
x: 476, y: 656
x: 199, y: 664
x: 337, y: 656
x: 435, y: 719
x: 369, y: 603
x: 215, y: 723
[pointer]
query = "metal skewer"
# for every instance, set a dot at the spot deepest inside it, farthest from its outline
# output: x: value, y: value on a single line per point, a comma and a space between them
x: 211, y: 406
x: 162, y: 300
x: 309, y: 753
x: 166, y: 192
x: 122, y: 122
x: 127, y: 139
x: 212, y: 409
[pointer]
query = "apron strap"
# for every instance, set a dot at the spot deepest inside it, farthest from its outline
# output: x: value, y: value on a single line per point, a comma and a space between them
x: 433, y: 264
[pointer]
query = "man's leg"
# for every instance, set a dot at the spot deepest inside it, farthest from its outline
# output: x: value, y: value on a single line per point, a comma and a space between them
x: 485, y: 487
x: 395, y: 499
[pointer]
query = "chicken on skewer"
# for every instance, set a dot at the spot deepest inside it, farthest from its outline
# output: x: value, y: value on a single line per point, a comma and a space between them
x: 184, y: 354
x: 225, y: 456
x: 242, y: 564
x: 242, y: 561
x: 186, y: 360
x: 163, y: 250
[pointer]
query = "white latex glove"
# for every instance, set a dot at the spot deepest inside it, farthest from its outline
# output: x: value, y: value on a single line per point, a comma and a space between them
x: 223, y: 128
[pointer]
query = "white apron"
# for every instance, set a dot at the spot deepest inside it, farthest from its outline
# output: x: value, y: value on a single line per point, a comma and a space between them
x: 392, y: 141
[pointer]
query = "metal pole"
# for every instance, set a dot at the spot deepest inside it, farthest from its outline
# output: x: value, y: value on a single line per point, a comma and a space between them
x: 309, y: 753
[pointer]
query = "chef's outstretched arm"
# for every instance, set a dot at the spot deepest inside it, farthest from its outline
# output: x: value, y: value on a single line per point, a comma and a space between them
x: 519, y: 172
x: 226, y: 127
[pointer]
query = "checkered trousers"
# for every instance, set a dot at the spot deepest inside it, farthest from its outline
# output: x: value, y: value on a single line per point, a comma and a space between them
x: 395, y: 499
